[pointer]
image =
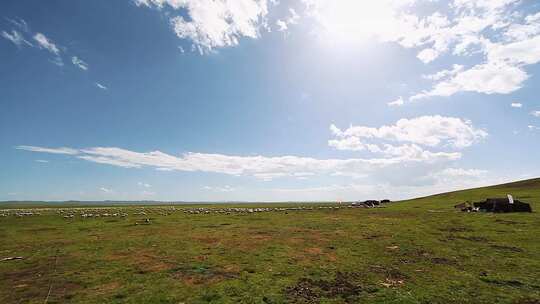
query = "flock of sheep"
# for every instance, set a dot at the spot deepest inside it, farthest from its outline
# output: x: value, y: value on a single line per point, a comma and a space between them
x: 122, y: 212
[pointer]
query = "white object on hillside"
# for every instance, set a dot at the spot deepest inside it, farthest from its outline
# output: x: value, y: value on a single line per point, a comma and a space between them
x: 510, y: 199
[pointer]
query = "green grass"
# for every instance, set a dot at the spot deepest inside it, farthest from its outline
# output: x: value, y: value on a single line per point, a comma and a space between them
x: 417, y: 251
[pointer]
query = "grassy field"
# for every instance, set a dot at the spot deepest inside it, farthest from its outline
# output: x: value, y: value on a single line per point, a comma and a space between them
x: 417, y: 251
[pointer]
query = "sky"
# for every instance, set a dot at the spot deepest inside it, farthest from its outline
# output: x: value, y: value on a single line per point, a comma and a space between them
x: 266, y: 100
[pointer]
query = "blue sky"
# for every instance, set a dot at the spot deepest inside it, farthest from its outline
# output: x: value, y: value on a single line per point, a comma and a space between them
x: 266, y: 100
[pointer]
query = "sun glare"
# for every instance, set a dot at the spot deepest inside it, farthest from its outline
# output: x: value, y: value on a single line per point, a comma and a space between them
x: 353, y: 21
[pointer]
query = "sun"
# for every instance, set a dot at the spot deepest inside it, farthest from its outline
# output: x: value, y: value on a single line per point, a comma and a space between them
x: 356, y: 20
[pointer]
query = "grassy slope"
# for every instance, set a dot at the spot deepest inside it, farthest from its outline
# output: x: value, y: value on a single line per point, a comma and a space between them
x: 419, y: 251
x: 527, y: 191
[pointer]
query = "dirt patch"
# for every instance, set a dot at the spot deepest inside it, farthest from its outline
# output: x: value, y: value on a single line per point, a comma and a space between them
x: 143, y: 261
x: 203, y: 275
x: 343, y: 286
x: 314, y: 251
x: 151, y: 263
x: 207, y: 240
x: 247, y: 244
x: 332, y: 256
x: 107, y: 288
x: 261, y: 237
x: 31, y: 281
x: 31, y: 284
x: 296, y: 240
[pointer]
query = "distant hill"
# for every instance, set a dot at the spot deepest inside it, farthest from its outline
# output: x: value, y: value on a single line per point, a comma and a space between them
x: 526, y: 190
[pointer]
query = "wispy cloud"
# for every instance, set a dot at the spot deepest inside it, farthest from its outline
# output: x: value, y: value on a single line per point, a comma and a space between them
x: 20, y: 23
x: 430, y: 131
x: 46, y: 43
x: 79, y: 63
x: 535, y: 113
x: 99, y: 85
x: 214, y: 24
x: 260, y: 167
x: 283, y: 25
x: 225, y: 188
x: 42, y: 161
x: 145, y: 185
x: 17, y: 38
x: 62, y: 150
x: 106, y: 190
x: 516, y: 105
x: 396, y: 103
x: 42, y: 42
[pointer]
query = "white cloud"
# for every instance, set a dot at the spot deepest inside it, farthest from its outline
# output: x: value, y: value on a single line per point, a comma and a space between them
x: 506, y: 40
x: 46, y: 43
x: 516, y: 105
x: 487, y: 78
x: 106, y: 190
x: 109, y: 161
x: 20, y: 23
x: 352, y: 20
x: 41, y: 42
x: 456, y: 68
x: 145, y: 185
x: 16, y: 37
x: 99, y: 85
x: 283, y: 25
x: 79, y: 63
x: 396, y: 103
x: 452, y: 173
x: 62, y: 150
x: 225, y: 188
x: 425, y: 130
x: 535, y: 113
x: 428, y: 55
x: 41, y: 161
x: 529, y: 28
x: 215, y: 23
x: 260, y: 167
x: 466, y: 28
x: 533, y: 128
x: 520, y: 52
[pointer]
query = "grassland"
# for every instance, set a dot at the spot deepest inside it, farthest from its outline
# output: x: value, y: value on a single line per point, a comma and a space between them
x: 417, y: 251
